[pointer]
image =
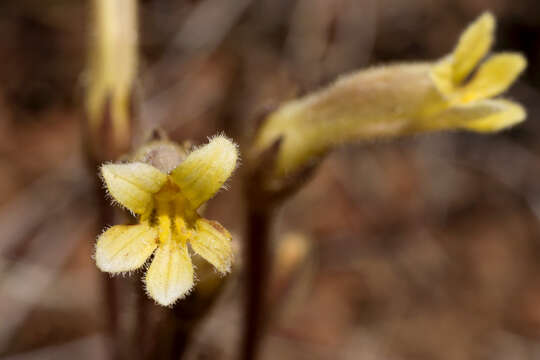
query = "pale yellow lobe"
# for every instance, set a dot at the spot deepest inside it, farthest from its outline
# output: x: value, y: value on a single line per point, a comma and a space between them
x: 125, y: 247
x: 504, y: 115
x: 483, y: 116
x: 449, y: 73
x: 205, y: 170
x: 494, y: 76
x: 170, y: 276
x: 213, y: 242
x: 133, y: 184
x: 473, y: 45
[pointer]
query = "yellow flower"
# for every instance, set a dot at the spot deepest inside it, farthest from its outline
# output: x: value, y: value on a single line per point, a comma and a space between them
x: 396, y: 100
x: 167, y: 204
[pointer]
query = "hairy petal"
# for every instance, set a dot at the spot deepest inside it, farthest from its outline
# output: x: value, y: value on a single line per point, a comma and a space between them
x: 494, y: 76
x: 473, y: 45
x: 133, y: 184
x: 170, y: 276
x: 449, y: 73
x: 205, y: 170
x: 482, y: 116
x: 213, y: 242
x: 125, y: 247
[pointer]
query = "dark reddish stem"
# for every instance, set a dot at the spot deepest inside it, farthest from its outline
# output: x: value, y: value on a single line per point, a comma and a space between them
x: 106, y: 218
x: 257, y: 262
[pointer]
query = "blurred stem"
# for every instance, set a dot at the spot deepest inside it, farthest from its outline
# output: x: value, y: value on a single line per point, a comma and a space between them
x: 139, y: 344
x: 106, y: 215
x: 257, y: 259
x: 170, y: 336
x: 171, y: 339
x: 263, y: 198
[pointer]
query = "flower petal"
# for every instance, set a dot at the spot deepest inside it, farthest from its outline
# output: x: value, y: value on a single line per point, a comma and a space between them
x: 483, y: 116
x: 213, y: 242
x: 494, y: 76
x: 473, y: 45
x: 133, y: 184
x: 125, y: 247
x: 205, y: 170
x: 170, y: 276
x: 449, y: 72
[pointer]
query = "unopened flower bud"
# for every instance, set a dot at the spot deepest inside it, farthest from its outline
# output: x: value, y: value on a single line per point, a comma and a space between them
x: 110, y: 77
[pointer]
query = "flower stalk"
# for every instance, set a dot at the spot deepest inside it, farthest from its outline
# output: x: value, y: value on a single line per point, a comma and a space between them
x: 257, y: 257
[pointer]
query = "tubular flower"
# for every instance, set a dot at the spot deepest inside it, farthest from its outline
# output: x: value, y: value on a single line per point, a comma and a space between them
x: 111, y: 71
x: 401, y: 99
x: 167, y: 203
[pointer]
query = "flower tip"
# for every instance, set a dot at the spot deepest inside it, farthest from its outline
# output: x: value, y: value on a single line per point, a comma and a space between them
x: 170, y: 275
x: 202, y: 174
x: 507, y: 115
x: 512, y: 117
x: 486, y: 20
x: 105, y: 171
x: 123, y: 248
x: 165, y: 299
x: 520, y: 62
x: 227, y: 147
x: 479, y: 31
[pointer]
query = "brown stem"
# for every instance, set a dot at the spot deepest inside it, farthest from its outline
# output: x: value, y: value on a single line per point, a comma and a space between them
x: 172, y: 338
x: 168, y: 332
x: 257, y: 260
x: 140, y: 343
x: 106, y: 218
x: 264, y: 194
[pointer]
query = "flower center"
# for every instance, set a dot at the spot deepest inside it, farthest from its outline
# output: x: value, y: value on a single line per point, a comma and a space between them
x: 173, y: 214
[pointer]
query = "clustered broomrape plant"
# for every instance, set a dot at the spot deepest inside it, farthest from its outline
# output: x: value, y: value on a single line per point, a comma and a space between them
x: 379, y: 102
x: 166, y: 203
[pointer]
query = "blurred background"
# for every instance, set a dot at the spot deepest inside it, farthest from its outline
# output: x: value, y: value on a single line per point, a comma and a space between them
x: 422, y: 248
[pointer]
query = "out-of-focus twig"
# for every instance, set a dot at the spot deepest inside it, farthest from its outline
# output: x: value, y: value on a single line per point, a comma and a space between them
x: 88, y: 347
x: 24, y: 212
x: 211, y: 21
x: 20, y: 288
